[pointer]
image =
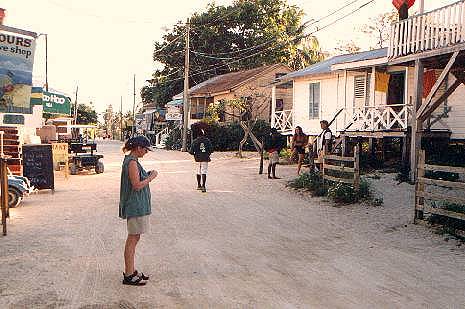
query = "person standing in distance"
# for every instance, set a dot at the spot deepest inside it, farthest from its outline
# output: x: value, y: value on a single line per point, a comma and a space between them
x: 273, y: 145
x: 201, y: 149
x: 299, y: 142
x: 135, y: 203
x: 324, y: 142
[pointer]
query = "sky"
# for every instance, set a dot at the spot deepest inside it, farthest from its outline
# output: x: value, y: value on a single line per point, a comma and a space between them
x: 98, y: 46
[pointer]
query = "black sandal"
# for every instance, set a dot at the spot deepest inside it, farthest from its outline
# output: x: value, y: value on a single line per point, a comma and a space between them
x: 133, y: 279
x: 141, y: 275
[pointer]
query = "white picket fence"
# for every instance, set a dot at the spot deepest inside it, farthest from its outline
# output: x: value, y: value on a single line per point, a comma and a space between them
x: 439, y: 28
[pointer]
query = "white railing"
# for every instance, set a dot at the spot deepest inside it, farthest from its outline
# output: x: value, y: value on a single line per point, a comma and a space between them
x: 376, y: 118
x: 282, y: 121
x: 440, y: 28
x: 160, y: 138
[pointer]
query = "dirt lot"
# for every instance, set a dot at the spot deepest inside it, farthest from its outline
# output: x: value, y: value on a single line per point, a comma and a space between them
x: 247, y: 243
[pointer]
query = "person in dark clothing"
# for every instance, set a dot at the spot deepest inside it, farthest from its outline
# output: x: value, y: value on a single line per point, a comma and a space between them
x: 299, y: 142
x: 273, y: 145
x: 201, y: 149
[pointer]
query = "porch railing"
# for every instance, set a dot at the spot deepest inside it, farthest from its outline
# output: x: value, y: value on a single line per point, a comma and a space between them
x: 282, y: 121
x: 376, y: 118
x: 160, y: 138
x: 439, y: 28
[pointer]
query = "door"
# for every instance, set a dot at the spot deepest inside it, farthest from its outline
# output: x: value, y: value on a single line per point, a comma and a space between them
x: 396, y: 89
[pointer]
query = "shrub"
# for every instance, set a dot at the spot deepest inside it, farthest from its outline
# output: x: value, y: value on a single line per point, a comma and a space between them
x: 174, y: 139
x: 344, y: 193
x: 311, y: 181
x: 224, y: 136
x: 285, y: 153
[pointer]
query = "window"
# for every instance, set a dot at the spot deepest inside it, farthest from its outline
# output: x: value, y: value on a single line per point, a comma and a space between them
x: 362, y: 90
x: 314, y: 100
x: 279, y: 104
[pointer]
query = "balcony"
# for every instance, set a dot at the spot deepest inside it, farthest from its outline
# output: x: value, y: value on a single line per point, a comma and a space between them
x: 440, y: 28
x: 376, y: 118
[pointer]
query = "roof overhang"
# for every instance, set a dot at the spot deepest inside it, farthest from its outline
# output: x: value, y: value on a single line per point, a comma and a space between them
x: 360, y: 64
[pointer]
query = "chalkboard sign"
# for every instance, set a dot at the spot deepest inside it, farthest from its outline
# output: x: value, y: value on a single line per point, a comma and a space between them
x: 38, y: 165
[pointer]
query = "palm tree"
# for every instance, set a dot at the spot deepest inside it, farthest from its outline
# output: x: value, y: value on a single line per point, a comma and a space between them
x: 306, y: 53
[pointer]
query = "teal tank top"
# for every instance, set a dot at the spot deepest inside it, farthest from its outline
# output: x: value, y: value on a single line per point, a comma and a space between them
x: 133, y: 203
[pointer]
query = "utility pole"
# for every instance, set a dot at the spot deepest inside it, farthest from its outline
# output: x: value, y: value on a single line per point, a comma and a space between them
x: 422, y: 7
x: 75, y: 105
x: 121, y: 119
x: 46, y: 62
x: 134, y: 108
x: 186, y: 91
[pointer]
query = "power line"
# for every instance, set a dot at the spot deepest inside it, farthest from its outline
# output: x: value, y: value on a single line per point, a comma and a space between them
x: 341, y: 18
x: 211, y: 57
x: 310, y: 23
x: 259, y: 52
x: 170, y: 42
x: 333, y: 12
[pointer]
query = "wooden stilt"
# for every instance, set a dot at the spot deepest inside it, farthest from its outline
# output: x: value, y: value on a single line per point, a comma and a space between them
x: 404, y: 141
x: 417, y: 125
x: 344, y: 146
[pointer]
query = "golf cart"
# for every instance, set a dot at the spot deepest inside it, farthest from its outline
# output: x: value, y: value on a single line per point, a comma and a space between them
x: 82, y: 148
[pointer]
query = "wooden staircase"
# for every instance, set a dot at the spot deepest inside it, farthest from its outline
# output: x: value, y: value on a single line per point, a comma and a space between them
x: 12, y: 149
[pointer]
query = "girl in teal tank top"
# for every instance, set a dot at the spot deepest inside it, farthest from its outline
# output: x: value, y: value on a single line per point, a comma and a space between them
x: 135, y: 203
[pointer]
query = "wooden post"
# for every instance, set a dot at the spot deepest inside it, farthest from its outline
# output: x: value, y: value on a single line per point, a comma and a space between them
x: 371, y: 146
x: 273, y: 106
x: 357, y: 168
x: 419, y: 188
x: 4, y: 192
x: 404, y: 152
x: 383, y: 150
x: 260, y: 171
x: 322, y: 163
x: 344, y: 146
x: 417, y: 125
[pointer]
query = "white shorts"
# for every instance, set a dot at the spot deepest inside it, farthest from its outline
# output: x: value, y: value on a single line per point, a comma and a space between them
x: 274, y: 157
x: 138, y: 225
x: 202, y: 168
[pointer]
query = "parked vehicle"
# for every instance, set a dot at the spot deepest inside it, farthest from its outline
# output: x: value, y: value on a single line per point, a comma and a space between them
x: 18, y: 188
x: 81, y: 159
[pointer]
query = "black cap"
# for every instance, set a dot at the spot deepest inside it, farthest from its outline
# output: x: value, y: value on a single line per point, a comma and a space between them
x: 139, y: 141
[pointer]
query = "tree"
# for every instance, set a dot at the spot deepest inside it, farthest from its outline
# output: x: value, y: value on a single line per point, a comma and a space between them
x: 86, y: 114
x: 348, y: 47
x: 243, y: 35
x: 379, y: 27
x: 306, y: 53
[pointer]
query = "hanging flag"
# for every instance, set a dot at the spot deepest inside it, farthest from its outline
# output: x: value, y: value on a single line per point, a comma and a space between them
x: 398, y: 3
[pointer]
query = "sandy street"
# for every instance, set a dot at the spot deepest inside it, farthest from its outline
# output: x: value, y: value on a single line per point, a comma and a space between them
x: 247, y: 243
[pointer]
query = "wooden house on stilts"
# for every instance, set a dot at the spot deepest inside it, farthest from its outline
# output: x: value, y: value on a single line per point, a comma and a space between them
x: 414, y: 85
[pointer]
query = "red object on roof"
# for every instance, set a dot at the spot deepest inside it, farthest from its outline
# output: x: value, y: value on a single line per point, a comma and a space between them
x: 398, y: 3
x: 2, y: 12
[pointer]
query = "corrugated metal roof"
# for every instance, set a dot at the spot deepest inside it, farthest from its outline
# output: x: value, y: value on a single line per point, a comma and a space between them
x: 325, y: 66
x: 227, y: 81
x: 175, y: 102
